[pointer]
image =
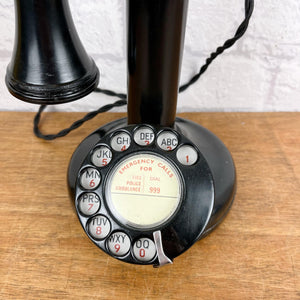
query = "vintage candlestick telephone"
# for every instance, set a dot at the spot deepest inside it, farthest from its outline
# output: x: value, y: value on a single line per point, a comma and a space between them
x: 148, y: 186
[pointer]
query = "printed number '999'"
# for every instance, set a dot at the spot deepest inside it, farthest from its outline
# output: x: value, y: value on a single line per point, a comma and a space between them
x: 154, y: 190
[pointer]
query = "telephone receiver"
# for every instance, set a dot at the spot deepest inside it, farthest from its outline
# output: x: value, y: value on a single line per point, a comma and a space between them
x: 146, y: 187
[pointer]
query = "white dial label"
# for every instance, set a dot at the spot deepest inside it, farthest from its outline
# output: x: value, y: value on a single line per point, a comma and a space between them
x: 144, y: 190
x: 90, y: 178
x: 144, y: 249
x: 118, y: 243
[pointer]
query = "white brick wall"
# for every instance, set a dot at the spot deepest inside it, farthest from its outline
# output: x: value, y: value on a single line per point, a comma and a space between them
x: 260, y: 73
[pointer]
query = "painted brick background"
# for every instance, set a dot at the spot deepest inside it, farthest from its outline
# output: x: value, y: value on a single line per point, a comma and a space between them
x: 260, y: 73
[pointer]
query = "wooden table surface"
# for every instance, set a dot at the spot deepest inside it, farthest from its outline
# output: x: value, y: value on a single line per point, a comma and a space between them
x: 253, y: 254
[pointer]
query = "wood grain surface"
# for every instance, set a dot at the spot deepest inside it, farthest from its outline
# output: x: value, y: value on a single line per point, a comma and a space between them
x: 253, y: 254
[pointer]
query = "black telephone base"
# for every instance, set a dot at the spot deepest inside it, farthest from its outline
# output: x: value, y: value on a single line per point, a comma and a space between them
x: 212, y: 148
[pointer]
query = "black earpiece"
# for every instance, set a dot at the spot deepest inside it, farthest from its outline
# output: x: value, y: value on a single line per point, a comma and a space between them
x: 49, y: 64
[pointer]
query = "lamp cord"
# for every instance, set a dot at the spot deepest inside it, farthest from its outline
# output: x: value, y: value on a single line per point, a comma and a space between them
x: 249, y: 6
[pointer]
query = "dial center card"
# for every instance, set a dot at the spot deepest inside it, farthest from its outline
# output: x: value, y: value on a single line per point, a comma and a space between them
x: 144, y: 191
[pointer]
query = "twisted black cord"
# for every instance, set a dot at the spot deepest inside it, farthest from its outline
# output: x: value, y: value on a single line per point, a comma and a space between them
x: 249, y: 6
x: 75, y: 125
x: 110, y: 93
